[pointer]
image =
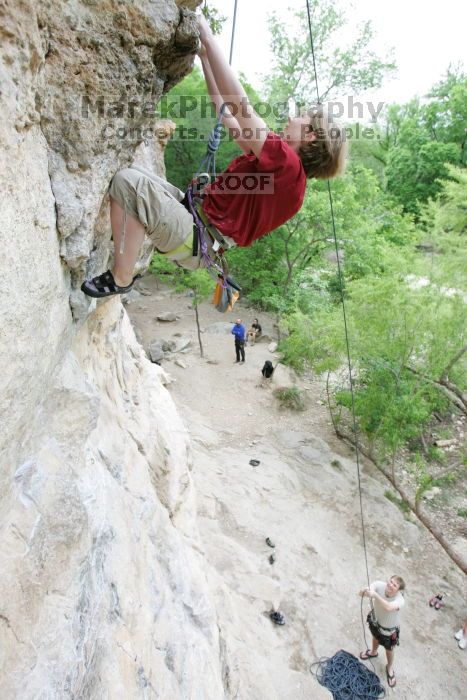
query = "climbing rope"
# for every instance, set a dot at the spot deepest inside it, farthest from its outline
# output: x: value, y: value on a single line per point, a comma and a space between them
x: 312, y: 43
x: 207, y: 167
x: 341, y: 669
x: 347, y: 678
x: 347, y: 343
x: 216, y: 266
x: 208, y: 164
x: 232, y: 39
x: 349, y: 364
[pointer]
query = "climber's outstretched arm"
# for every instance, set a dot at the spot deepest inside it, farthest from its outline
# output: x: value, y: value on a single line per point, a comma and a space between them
x: 253, y: 129
x: 228, y: 120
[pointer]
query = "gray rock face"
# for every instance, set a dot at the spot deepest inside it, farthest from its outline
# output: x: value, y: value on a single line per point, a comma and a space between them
x: 102, y: 590
x: 103, y: 68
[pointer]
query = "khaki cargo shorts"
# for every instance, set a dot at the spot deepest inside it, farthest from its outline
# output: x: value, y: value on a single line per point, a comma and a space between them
x: 157, y: 205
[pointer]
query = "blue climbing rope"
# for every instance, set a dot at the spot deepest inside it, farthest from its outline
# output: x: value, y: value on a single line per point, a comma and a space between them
x: 347, y: 678
x: 208, y: 164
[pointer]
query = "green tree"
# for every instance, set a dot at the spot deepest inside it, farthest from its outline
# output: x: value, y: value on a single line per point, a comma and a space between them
x: 424, y: 138
x: 214, y: 18
x: 369, y: 151
x: 406, y: 317
x: 446, y: 217
x: 353, y: 68
x: 400, y: 335
x: 445, y: 115
x: 278, y: 269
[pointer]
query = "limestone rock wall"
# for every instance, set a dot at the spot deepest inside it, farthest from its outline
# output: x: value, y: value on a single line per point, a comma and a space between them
x: 102, y: 592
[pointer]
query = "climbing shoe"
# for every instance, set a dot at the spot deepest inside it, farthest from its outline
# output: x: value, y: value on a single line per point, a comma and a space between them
x: 105, y: 286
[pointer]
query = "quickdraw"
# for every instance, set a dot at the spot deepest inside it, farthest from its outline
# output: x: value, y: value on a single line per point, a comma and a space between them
x: 210, y: 243
x: 211, y: 249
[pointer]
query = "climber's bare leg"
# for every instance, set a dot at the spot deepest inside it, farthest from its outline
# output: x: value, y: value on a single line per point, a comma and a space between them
x: 125, y: 261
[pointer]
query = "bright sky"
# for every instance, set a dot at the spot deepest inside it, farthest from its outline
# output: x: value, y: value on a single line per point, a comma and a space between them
x: 426, y: 37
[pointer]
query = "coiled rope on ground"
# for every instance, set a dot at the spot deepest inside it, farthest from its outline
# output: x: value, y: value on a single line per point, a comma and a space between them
x: 347, y: 678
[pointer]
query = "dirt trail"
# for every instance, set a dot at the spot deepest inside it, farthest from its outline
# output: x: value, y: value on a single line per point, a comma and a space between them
x: 304, y: 496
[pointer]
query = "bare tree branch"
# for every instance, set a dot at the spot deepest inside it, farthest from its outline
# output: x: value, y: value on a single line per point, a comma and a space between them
x: 453, y: 393
x: 414, y: 506
x: 451, y: 363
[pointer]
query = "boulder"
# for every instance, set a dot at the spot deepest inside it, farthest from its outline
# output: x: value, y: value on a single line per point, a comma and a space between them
x: 167, y: 345
x: 167, y: 317
x: 431, y: 494
x: 284, y: 376
x: 156, y: 350
x: 182, y: 344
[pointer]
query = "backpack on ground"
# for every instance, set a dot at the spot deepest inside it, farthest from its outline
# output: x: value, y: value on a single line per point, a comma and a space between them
x: 267, y: 370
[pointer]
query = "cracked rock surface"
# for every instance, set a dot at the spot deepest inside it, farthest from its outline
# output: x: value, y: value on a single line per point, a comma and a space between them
x: 103, y: 592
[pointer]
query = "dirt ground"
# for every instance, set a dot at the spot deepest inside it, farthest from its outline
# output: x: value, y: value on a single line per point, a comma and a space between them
x: 304, y: 496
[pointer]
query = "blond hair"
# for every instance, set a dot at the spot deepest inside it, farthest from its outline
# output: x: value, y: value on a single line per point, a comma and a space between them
x: 325, y: 156
x: 400, y: 581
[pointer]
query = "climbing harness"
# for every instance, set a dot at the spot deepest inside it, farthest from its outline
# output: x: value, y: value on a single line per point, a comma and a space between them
x: 210, y: 245
x: 388, y: 637
x: 208, y: 242
x: 343, y: 674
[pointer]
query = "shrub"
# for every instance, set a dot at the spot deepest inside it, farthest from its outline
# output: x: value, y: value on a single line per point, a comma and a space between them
x: 290, y: 397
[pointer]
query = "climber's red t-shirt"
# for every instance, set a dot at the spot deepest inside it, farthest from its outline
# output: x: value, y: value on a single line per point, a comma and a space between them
x: 253, y: 196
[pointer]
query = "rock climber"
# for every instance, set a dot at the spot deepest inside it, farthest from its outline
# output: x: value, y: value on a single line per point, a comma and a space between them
x: 312, y: 145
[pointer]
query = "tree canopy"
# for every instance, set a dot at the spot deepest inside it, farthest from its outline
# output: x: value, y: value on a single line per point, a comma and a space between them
x: 400, y: 220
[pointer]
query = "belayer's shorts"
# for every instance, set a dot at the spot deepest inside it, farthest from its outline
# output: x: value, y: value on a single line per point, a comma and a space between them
x: 387, y: 638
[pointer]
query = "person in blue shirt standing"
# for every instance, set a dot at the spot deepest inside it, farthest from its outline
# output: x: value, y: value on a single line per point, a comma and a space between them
x: 239, y: 332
